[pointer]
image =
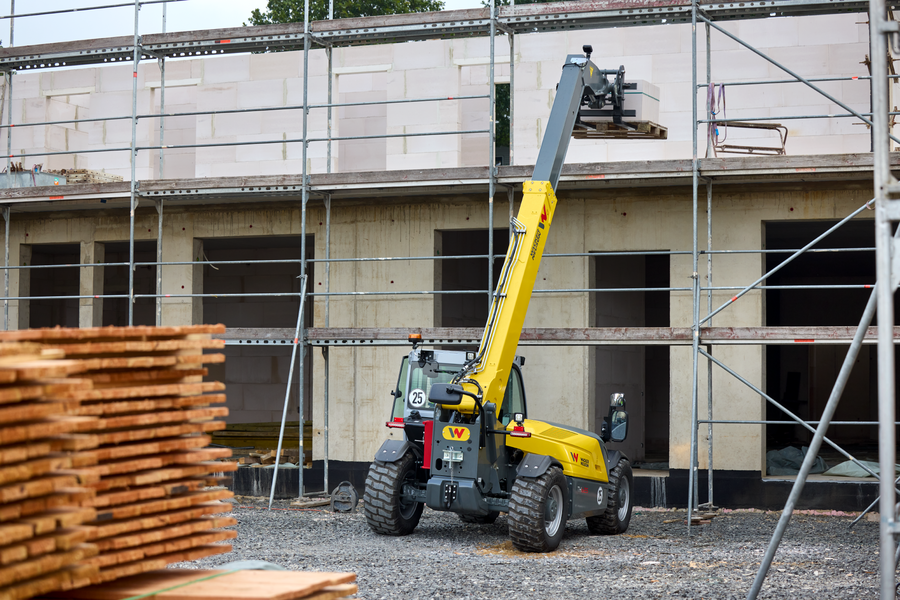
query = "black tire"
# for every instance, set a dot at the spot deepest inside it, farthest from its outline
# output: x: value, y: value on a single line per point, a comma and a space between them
x: 480, y: 519
x: 538, y: 509
x: 617, y: 516
x: 386, y: 511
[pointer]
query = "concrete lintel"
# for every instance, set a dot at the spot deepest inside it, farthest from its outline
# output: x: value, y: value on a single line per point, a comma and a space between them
x: 499, y: 58
x: 69, y: 91
x: 362, y: 69
x: 173, y: 83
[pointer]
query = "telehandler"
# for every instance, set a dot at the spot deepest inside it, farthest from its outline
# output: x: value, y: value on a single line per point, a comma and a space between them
x: 468, y: 446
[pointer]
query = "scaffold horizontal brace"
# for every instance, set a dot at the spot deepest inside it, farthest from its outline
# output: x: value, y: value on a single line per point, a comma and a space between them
x: 452, y: 24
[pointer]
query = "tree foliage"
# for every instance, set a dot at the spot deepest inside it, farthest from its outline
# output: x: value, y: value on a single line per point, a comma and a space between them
x: 501, y: 130
x: 291, y: 11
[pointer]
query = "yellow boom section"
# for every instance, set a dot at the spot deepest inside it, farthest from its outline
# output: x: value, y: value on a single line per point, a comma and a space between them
x: 501, y: 336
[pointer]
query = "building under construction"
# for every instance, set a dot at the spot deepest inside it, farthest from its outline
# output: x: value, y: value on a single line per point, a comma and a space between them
x: 217, y: 171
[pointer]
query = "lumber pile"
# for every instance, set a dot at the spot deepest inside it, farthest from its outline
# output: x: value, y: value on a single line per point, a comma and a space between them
x: 142, y: 414
x: 43, y: 503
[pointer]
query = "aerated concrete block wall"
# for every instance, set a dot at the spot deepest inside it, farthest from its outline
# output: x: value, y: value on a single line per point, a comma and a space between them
x: 816, y: 46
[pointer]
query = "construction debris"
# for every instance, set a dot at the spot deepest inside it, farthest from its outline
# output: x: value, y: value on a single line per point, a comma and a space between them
x: 86, y: 176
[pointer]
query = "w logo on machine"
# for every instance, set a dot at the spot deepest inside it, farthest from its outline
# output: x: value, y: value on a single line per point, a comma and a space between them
x: 584, y: 462
x: 455, y: 434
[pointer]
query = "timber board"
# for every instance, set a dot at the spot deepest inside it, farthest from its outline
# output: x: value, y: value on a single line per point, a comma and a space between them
x: 45, y: 564
x: 333, y: 592
x: 140, y: 494
x: 33, y: 468
x: 160, y: 417
x: 59, y: 518
x: 19, y: 453
x: 108, y: 559
x: 161, y: 561
x: 45, y: 369
x: 107, y: 407
x: 148, y: 362
x: 137, y: 509
x: 137, y: 391
x: 136, y: 346
x: 36, y: 487
x: 10, y: 533
x: 33, y: 410
x: 163, y: 533
x: 143, y: 433
x: 60, y: 540
x: 117, y: 528
x: 18, y: 393
x: 160, y: 460
x: 132, y: 375
x: 160, y: 475
x: 244, y: 585
x: 32, y: 506
x: 38, y: 430
x: 67, y: 578
x: 154, y: 447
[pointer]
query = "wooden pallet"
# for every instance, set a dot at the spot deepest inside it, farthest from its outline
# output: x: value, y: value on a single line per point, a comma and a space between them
x: 640, y: 130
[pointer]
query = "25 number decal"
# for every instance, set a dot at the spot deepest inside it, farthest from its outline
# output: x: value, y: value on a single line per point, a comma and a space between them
x: 417, y: 398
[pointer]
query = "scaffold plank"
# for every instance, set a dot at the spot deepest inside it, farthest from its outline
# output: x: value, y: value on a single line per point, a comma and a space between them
x: 594, y: 336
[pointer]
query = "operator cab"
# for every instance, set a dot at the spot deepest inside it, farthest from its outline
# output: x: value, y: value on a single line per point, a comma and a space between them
x: 422, y: 369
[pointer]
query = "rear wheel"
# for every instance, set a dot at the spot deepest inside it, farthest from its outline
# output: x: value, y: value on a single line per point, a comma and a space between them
x: 387, y: 511
x: 618, y: 511
x: 538, y: 509
x: 480, y: 519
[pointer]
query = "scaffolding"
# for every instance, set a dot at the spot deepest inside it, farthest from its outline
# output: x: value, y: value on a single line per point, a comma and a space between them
x: 492, y: 21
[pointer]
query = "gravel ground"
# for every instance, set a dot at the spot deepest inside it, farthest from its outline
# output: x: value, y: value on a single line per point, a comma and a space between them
x: 819, y: 557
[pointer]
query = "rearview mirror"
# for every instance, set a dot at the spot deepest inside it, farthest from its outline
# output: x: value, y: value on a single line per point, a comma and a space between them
x: 618, y: 426
x: 447, y: 394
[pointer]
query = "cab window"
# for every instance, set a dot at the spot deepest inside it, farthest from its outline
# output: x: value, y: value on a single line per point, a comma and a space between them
x: 514, y: 399
x: 400, y: 390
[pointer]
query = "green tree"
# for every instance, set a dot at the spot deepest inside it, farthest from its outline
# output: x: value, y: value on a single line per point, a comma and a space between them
x: 291, y: 11
x: 501, y: 128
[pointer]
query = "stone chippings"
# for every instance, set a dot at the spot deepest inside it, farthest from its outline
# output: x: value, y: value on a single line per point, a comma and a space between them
x: 820, y: 557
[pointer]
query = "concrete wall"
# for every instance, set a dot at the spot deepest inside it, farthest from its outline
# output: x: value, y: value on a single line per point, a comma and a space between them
x: 559, y: 379
x: 817, y: 46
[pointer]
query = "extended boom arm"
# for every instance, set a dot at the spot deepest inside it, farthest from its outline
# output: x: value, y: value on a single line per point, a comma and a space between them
x: 581, y: 84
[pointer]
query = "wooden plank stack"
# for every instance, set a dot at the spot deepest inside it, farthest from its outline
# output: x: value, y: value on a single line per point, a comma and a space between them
x: 137, y: 393
x: 43, y: 503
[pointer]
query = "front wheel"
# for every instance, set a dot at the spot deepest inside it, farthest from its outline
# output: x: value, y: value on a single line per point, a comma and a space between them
x: 387, y: 511
x: 618, y: 511
x: 538, y: 509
